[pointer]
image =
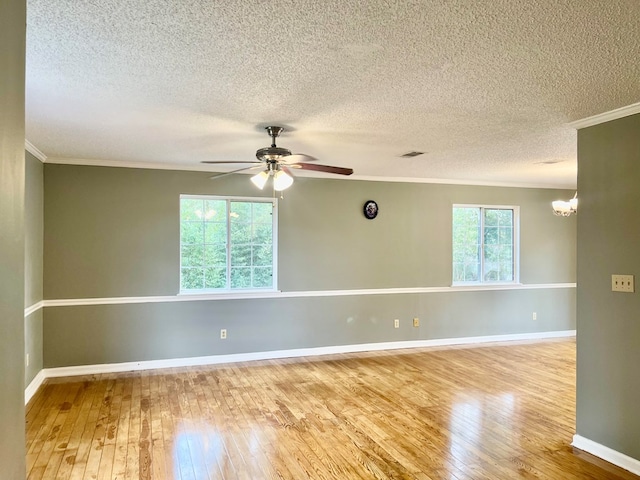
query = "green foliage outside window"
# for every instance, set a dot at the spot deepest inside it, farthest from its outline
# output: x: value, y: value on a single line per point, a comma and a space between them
x: 483, y: 244
x: 225, y: 244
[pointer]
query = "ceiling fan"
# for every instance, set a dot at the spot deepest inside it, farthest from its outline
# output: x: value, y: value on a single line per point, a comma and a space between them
x: 278, y: 162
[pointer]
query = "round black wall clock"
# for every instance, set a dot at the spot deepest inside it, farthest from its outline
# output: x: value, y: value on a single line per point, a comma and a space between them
x: 370, y: 209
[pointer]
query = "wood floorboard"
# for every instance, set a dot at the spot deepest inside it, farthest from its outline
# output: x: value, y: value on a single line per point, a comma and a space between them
x: 496, y: 411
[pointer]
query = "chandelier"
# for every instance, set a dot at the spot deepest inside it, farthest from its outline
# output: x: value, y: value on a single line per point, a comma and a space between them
x: 564, y: 208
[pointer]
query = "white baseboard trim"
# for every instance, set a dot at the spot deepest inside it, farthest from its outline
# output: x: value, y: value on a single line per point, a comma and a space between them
x: 33, y: 387
x: 299, y: 352
x: 606, y: 453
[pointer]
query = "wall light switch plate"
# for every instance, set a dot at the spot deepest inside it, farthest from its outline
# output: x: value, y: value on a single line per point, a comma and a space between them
x: 622, y: 283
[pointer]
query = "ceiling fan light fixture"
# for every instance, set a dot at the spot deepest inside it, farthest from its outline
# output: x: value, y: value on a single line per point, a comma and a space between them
x: 282, y: 181
x: 260, y: 179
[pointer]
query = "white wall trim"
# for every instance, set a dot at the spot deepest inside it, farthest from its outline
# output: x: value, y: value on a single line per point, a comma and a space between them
x: 452, y: 181
x: 366, y: 178
x: 606, y: 116
x: 71, y: 302
x: 33, y: 308
x: 33, y: 150
x: 293, y: 353
x: 606, y: 453
x: 33, y: 387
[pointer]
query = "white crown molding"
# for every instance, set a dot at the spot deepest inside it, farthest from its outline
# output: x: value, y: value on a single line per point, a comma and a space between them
x: 33, y: 387
x: 473, y: 183
x: 363, y: 178
x: 606, y: 453
x: 33, y: 150
x: 89, y: 162
x: 606, y: 116
x: 276, y: 294
x: 294, y: 353
x: 33, y: 308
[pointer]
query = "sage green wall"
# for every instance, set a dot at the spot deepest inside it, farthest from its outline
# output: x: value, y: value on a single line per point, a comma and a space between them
x: 608, y: 390
x: 34, y: 236
x: 87, y: 335
x: 12, y: 65
x: 114, y: 232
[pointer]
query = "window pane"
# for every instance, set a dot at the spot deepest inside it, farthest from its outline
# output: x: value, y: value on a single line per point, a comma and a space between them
x: 241, y: 255
x: 262, y: 233
x: 215, y: 277
x: 262, y: 256
x: 262, y: 212
x: 215, y: 232
x: 191, y: 232
x: 192, y: 278
x: 498, y: 250
x: 192, y: 256
x: 505, y: 217
x: 491, y: 217
x: 491, y: 235
x: 466, y: 244
x: 505, y: 235
x: 471, y: 272
x: 240, y: 212
x: 240, y: 277
x: 506, y: 272
x: 262, y: 277
x: 240, y: 232
x: 491, y: 273
x: 215, y: 211
x: 191, y: 209
x: 215, y: 255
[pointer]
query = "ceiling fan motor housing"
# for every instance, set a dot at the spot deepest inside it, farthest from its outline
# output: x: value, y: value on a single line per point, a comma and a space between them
x: 271, y: 153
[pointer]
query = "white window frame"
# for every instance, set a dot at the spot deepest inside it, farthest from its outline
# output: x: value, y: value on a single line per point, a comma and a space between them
x: 274, y: 235
x: 516, y: 244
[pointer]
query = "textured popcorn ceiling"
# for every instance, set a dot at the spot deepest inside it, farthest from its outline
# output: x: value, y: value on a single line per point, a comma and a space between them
x: 485, y: 88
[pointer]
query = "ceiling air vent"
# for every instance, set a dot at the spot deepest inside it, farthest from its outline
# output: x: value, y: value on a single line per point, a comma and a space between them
x: 411, y: 154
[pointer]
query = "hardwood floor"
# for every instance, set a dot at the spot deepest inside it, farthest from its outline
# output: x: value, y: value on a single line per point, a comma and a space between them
x: 493, y: 412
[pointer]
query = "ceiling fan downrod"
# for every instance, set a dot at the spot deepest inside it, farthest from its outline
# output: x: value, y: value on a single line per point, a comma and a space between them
x: 274, y: 132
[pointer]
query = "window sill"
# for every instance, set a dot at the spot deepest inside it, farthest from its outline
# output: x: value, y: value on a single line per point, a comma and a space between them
x: 487, y: 285
x: 230, y: 294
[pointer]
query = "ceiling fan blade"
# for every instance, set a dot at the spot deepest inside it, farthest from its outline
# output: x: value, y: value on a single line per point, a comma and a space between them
x: 211, y: 162
x: 215, y: 177
x: 323, y: 168
x: 298, y: 157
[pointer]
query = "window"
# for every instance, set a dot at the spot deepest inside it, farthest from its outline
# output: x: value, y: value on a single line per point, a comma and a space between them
x: 485, y: 244
x: 227, y: 243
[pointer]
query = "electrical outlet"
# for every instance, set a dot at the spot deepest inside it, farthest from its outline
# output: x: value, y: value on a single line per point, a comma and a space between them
x: 416, y: 322
x: 223, y: 333
x: 622, y: 283
x: 534, y: 316
x: 396, y: 323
